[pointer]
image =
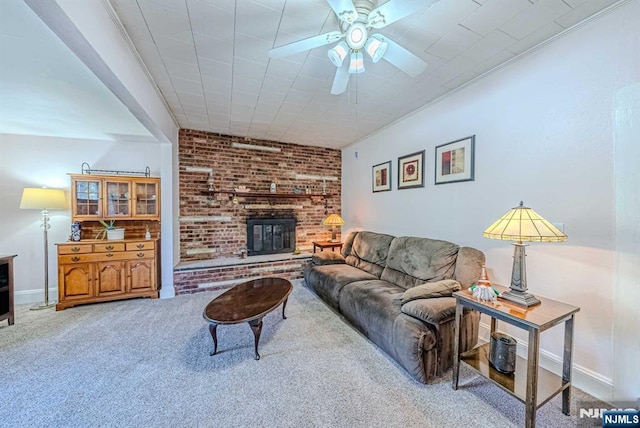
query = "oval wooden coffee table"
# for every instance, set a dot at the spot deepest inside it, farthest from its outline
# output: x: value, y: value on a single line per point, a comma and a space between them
x: 247, y: 302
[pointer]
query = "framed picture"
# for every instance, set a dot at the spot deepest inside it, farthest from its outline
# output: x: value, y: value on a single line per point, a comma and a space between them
x: 411, y: 171
x: 455, y: 160
x: 382, y: 177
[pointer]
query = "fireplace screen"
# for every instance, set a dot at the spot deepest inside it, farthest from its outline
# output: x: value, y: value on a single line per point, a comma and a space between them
x: 271, y: 235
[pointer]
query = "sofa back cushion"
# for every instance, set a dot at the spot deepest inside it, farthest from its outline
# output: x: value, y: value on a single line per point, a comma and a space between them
x: 348, y: 243
x: 367, y: 251
x: 469, y: 266
x: 413, y: 261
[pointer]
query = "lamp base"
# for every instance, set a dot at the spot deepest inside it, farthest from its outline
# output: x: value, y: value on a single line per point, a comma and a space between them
x: 42, y: 305
x: 521, y: 298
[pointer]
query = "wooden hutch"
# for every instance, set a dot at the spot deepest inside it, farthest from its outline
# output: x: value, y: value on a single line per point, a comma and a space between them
x: 98, y: 270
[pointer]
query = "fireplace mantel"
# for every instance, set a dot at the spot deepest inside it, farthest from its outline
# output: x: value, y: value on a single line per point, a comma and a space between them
x: 267, y: 195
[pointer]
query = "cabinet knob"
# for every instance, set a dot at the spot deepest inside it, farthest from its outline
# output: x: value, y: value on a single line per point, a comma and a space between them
x: 109, y: 247
x: 109, y: 255
x: 75, y: 249
x: 140, y: 246
x: 75, y: 259
x: 140, y: 254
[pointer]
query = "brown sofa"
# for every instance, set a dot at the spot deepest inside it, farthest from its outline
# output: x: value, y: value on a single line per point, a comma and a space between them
x: 397, y: 291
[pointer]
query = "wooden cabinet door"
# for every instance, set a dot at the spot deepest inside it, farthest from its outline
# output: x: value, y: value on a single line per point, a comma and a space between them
x: 146, y: 200
x: 141, y: 275
x: 110, y: 278
x: 75, y: 281
x: 86, y: 198
x: 117, y: 194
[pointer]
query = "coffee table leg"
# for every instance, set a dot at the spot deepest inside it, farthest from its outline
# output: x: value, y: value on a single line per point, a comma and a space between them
x: 256, y: 327
x: 284, y: 305
x: 212, y: 329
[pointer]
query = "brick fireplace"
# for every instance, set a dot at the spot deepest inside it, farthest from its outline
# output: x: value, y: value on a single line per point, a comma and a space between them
x: 213, y: 223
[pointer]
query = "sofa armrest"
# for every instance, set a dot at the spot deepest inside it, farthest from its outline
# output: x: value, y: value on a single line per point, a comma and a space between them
x: 327, y: 258
x: 433, y: 311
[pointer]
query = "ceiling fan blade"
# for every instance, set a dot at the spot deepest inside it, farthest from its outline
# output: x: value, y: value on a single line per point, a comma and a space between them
x: 394, y: 10
x: 402, y: 58
x: 341, y: 80
x: 305, y: 44
x: 344, y: 9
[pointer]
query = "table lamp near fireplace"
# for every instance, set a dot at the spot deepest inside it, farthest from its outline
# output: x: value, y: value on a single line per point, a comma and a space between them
x: 522, y: 224
x: 333, y: 220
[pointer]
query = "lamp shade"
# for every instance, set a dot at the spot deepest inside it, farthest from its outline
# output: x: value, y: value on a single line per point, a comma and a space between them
x: 356, y: 64
x: 34, y: 198
x: 338, y: 53
x: 376, y: 47
x: 522, y: 224
x: 333, y: 220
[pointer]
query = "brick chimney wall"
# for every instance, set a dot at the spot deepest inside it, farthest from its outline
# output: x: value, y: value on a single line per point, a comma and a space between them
x: 212, y: 226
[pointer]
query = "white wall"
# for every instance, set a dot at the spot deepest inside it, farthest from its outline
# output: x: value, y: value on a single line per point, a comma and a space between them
x: 544, y: 128
x: 627, y: 243
x: 93, y: 33
x: 31, y: 161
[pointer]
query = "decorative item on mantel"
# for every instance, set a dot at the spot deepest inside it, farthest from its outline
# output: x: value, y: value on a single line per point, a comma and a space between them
x: 522, y: 224
x: 210, y: 182
x: 241, y: 189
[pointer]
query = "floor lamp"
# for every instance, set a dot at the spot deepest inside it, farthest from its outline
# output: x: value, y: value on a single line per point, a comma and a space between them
x: 45, y: 200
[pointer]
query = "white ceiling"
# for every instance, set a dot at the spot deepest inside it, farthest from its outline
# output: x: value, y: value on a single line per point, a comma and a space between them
x: 46, y: 90
x: 209, y: 59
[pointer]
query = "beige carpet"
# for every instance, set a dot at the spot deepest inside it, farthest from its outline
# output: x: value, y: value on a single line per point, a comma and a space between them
x: 143, y: 363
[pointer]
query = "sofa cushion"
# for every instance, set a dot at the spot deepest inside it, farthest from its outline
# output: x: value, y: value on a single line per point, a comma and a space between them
x: 413, y: 261
x: 327, y: 258
x: 434, y: 311
x: 348, y: 243
x: 328, y: 280
x: 372, y: 306
x: 428, y: 290
x: 369, y: 252
x: 468, y: 266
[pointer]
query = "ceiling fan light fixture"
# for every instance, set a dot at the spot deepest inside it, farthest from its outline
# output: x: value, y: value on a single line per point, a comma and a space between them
x: 357, y: 35
x: 357, y: 63
x: 376, y: 47
x: 338, y: 53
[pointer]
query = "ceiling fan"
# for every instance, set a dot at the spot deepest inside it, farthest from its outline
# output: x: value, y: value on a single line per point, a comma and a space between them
x: 358, y: 19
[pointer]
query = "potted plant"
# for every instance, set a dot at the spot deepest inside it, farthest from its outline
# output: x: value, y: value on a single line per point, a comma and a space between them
x: 110, y: 231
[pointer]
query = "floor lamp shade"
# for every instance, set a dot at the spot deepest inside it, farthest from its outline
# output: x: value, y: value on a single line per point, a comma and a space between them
x: 333, y: 220
x: 522, y: 224
x: 43, y: 199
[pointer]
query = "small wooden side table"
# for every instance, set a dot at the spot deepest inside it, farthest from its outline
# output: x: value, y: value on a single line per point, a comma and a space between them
x: 6, y: 288
x: 326, y: 244
x: 530, y: 384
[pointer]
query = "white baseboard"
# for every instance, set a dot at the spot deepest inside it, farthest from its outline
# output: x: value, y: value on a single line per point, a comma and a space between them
x: 22, y: 297
x: 583, y: 378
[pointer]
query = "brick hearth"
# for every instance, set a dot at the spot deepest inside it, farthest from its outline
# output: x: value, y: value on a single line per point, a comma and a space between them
x: 217, y: 274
